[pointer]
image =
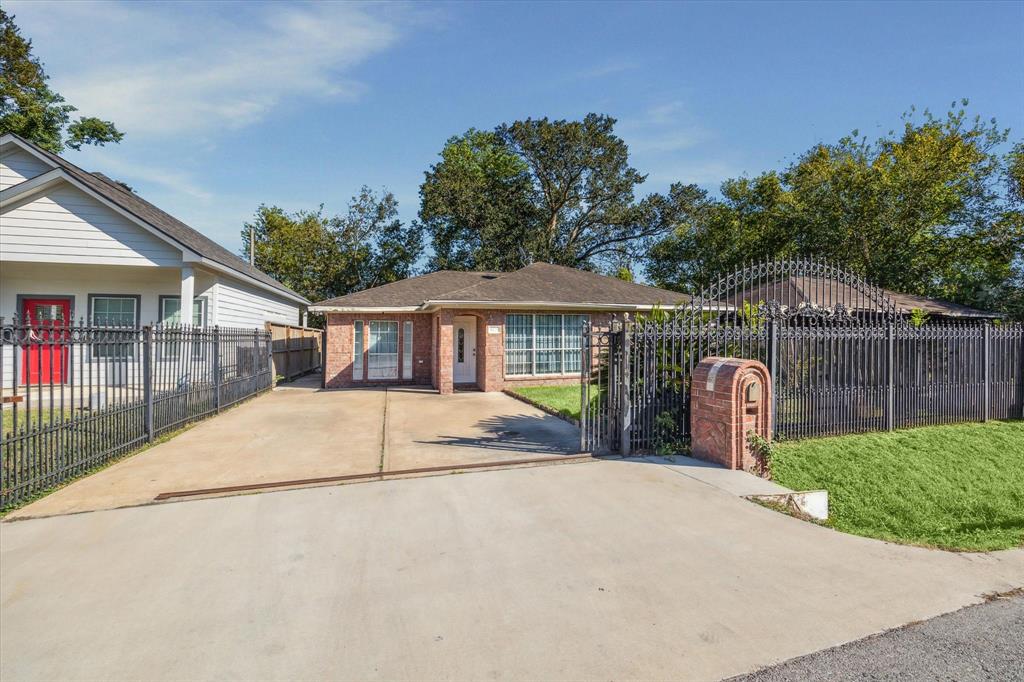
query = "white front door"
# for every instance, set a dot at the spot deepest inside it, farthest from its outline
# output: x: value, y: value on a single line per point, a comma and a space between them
x: 464, y: 350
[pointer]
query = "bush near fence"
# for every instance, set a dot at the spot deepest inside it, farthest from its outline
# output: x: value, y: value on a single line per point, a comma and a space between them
x: 77, y: 396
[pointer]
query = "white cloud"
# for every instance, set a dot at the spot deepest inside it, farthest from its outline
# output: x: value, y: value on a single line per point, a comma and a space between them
x: 165, y: 69
x: 663, y: 128
x: 116, y: 166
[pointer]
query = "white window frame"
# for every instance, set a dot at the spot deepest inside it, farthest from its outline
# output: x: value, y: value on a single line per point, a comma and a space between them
x: 172, y: 350
x: 102, y: 350
x: 533, y: 350
x: 358, y: 348
x: 201, y: 300
x: 392, y: 370
x: 407, y: 349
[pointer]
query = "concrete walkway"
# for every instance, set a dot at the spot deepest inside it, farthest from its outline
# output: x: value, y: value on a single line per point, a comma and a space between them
x: 603, y: 570
x: 298, y: 431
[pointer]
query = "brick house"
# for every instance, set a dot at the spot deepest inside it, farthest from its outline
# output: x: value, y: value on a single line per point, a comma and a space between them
x: 483, y: 330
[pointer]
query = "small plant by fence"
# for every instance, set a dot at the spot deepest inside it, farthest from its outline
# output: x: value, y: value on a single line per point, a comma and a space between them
x: 76, y: 396
x: 841, y: 358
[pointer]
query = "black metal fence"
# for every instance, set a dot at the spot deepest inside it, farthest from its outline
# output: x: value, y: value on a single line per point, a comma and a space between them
x: 76, y: 396
x: 841, y: 357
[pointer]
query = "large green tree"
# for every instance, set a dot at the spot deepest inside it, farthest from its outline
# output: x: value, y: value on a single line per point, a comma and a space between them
x: 932, y: 209
x: 539, y: 190
x: 323, y: 256
x: 31, y: 109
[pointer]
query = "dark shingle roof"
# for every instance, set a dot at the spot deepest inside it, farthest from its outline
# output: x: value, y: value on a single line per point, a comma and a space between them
x: 160, y: 220
x: 825, y: 291
x: 410, y: 292
x: 536, y: 283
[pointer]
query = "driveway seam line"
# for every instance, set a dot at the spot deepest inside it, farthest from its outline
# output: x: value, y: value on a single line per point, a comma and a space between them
x: 384, y: 433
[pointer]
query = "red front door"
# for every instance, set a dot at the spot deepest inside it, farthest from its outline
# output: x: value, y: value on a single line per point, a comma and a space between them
x: 46, y: 359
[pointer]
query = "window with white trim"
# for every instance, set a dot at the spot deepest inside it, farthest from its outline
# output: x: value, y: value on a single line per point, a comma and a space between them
x: 407, y: 349
x: 382, y: 353
x: 170, y: 314
x: 543, y: 344
x: 170, y: 310
x: 114, y: 311
x: 357, y: 351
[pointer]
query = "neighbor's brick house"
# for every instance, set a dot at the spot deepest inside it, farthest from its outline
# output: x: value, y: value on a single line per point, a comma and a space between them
x: 485, y: 330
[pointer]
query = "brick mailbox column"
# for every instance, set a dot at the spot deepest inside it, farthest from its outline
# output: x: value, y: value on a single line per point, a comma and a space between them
x: 728, y: 398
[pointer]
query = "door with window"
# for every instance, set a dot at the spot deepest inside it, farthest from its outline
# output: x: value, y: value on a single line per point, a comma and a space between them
x: 382, y: 350
x: 45, y: 360
x: 464, y: 339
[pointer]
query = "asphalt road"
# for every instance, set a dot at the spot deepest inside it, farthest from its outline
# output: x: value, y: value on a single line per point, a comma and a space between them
x: 983, y: 642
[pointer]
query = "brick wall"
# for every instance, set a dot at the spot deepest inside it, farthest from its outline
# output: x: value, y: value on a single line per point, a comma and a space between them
x: 340, y: 348
x: 432, y: 349
x: 723, y: 413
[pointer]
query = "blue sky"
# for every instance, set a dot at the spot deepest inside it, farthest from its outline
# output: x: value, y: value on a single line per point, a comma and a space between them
x: 226, y: 106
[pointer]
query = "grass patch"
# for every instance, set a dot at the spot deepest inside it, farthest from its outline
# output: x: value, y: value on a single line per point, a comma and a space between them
x: 31, y: 418
x: 958, y: 487
x: 565, y: 400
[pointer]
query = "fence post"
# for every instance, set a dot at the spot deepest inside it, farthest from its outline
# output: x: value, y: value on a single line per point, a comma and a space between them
x: 287, y: 353
x: 987, y: 358
x: 147, y: 378
x: 890, y: 383
x: 625, y: 409
x: 216, y: 367
x: 773, y: 366
x: 269, y: 353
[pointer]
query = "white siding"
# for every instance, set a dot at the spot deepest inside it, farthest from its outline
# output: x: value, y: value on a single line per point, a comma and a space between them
x: 78, y: 281
x: 17, y: 166
x: 65, y: 225
x: 241, y: 305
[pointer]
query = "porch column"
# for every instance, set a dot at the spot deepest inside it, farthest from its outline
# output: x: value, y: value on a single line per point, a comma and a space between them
x: 443, y: 352
x: 188, y: 289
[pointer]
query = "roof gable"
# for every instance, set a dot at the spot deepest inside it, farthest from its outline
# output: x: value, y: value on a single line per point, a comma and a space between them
x: 162, y: 222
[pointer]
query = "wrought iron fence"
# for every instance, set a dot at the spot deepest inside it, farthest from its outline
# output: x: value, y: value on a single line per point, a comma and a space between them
x: 76, y: 396
x: 841, y: 357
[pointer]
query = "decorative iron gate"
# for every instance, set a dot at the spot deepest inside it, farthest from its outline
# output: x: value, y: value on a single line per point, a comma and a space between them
x: 600, y: 383
x: 841, y: 357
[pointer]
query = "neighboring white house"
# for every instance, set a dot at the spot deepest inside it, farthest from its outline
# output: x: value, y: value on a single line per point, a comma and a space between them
x: 75, y: 245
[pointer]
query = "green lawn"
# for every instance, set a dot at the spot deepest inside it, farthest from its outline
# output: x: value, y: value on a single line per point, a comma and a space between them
x: 956, y: 487
x: 565, y: 400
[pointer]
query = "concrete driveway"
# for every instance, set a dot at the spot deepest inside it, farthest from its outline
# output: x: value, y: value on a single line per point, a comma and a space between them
x: 298, y: 431
x: 603, y: 570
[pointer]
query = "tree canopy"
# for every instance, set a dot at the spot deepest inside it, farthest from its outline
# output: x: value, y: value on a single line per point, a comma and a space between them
x: 538, y: 190
x: 933, y: 209
x: 29, y: 108
x: 322, y: 256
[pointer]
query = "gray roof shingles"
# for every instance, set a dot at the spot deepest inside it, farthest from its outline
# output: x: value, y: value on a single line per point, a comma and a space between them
x: 536, y: 283
x: 827, y: 292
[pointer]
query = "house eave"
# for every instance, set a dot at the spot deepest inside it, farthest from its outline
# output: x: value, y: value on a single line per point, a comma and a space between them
x: 434, y: 305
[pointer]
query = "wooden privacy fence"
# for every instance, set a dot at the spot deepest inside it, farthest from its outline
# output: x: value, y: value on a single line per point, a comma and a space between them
x: 75, y: 396
x: 297, y: 350
x: 842, y: 360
